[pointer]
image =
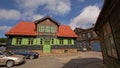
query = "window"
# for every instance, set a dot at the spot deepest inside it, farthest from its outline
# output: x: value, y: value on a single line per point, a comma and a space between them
x: 89, y: 35
x: 47, y: 28
x: 41, y: 41
x: 47, y: 42
x: 69, y: 41
x: 53, y: 29
x: 41, y: 29
x: 18, y: 40
x: 109, y: 41
x: 83, y: 35
x: 52, y: 41
x: 30, y: 41
x: 61, y: 41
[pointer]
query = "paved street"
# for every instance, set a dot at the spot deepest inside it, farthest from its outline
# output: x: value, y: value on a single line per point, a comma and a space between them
x: 80, y: 60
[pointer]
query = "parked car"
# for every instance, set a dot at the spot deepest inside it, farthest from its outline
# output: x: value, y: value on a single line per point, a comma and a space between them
x: 27, y: 53
x: 82, y: 48
x: 9, y: 59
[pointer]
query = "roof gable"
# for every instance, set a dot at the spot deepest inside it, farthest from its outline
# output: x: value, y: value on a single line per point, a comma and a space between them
x: 45, y: 18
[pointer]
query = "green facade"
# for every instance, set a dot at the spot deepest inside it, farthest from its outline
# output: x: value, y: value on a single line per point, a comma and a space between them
x: 46, y: 43
x: 47, y: 36
x: 36, y: 41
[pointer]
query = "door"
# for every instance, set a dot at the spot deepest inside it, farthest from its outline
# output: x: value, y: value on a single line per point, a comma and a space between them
x: 46, y: 46
x: 96, y: 46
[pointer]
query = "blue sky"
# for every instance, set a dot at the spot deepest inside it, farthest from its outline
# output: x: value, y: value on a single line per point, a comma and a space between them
x: 75, y: 13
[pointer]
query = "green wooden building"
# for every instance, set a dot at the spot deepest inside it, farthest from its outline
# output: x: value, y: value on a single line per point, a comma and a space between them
x: 44, y: 32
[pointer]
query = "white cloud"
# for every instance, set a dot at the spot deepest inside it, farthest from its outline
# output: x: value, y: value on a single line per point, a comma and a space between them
x: 36, y: 17
x: 88, y: 15
x: 59, y: 6
x: 9, y: 14
x: 4, y: 28
x: 31, y: 16
x: 54, y: 6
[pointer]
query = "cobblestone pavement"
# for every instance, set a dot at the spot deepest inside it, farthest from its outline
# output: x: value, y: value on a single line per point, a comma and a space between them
x: 79, y: 60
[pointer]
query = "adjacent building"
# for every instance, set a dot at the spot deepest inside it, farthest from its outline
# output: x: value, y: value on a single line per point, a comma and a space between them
x: 108, y: 29
x: 45, y: 32
x: 87, y: 38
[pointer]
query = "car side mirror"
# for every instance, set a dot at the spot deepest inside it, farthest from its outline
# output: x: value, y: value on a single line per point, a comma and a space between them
x: 1, y: 56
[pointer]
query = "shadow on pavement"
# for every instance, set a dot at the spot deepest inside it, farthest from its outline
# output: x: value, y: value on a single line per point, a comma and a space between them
x: 84, y: 63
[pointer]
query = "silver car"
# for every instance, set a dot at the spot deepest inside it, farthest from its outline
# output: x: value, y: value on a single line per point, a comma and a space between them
x: 9, y: 59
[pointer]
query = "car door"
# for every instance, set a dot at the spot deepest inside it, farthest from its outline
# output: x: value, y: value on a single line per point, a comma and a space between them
x: 2, y: 59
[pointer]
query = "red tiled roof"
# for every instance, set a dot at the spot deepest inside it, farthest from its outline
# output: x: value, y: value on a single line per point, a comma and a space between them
x: 28, y: 29
x: 66, y: 31
x: 23, y: 28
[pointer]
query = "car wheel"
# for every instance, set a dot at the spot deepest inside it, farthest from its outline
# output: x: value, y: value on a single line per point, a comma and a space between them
x: 10, y: 63
x: 31, y: 57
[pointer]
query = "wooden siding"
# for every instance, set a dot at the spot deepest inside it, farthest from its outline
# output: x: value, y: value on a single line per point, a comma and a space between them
x: 45, y: 31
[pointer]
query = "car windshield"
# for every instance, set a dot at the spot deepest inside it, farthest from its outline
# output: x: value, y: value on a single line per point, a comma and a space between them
x: 7, y: 53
